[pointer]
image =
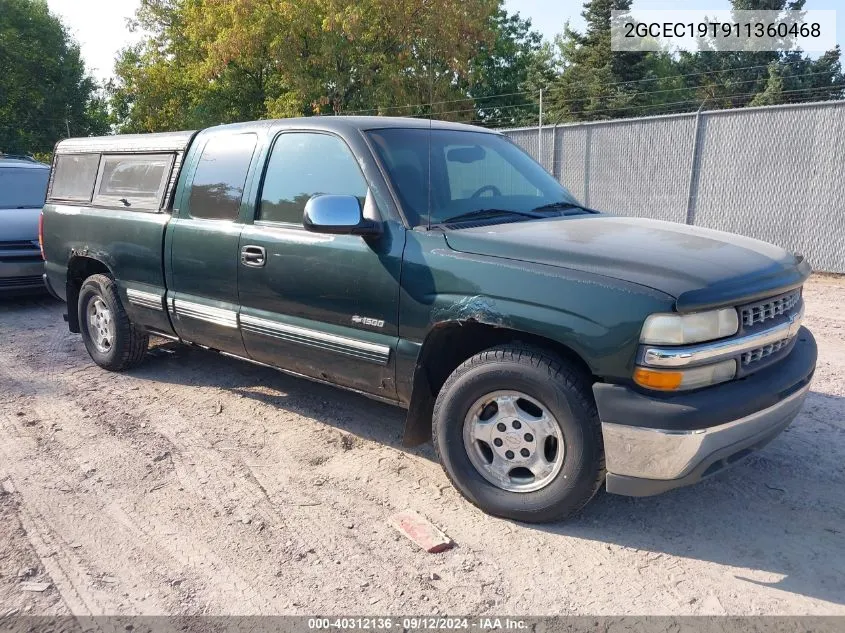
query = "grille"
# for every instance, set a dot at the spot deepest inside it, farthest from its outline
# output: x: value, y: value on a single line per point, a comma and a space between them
x: 764, y: 352
x: 20, y: 282
x: 22, y: 259
x: 769, y: 309
x: 18, y: 246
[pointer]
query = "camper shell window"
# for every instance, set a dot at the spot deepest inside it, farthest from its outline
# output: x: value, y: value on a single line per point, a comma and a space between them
x: 133, y: 181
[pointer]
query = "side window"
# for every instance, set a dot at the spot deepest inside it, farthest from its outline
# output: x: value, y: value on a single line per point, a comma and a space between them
x: 220, y: 178
x: 302, y: 165
x: 133, y: 181
x: 74, y: 176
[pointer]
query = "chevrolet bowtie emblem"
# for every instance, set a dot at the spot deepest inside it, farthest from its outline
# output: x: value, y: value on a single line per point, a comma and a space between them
x: 795, y: 323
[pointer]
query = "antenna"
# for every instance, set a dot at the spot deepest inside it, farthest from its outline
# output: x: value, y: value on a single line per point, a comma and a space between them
x: 430, y: 109
x: 430, y: 113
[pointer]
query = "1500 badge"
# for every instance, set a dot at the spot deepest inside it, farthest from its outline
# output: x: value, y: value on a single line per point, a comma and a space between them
x: 359, y: 320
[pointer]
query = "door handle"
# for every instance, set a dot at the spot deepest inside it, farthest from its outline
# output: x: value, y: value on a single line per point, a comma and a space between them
x: 254, y: 256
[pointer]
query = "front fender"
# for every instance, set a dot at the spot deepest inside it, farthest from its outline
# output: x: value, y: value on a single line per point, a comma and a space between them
x: 596, y: 317
x: 580, y: 333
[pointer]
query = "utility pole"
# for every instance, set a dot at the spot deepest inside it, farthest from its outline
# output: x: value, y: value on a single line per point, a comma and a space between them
x: 67, y: 124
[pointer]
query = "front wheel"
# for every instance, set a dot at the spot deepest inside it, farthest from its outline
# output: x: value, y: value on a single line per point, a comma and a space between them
x: 111, y: 339
x: 517, y: 433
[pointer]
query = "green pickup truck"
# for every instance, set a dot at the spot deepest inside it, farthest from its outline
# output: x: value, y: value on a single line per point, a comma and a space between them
x: 544, y: 347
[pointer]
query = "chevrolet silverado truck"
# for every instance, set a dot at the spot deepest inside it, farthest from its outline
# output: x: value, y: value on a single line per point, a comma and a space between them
x: 547, y: 349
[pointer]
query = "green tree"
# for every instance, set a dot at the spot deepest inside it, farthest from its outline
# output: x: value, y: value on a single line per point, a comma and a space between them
x: 735, y: 79
x: 772, y: 94
x: 213, y: 61
x: 506, y: 75
x: 44, y: 87
x: 165, y: 83
x: 595, y: 82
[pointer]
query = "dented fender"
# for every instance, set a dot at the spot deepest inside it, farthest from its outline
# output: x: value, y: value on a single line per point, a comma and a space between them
x: 476, y: 308
x: 598, y: 318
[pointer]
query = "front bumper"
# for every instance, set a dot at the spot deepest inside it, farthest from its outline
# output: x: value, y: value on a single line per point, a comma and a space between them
x: 654, y: 444
x: 21, y: 277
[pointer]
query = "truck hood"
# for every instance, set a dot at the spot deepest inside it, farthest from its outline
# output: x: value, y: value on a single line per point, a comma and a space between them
x: 19, y: 225
x: 700, y: 268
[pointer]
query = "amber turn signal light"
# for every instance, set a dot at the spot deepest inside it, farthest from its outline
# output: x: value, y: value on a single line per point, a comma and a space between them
x: 662, y: 380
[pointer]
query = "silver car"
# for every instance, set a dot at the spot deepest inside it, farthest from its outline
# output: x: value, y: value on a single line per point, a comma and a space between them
x: 23, y: 188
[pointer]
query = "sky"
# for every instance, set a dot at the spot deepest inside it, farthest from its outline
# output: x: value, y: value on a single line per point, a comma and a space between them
x: 100, y: 25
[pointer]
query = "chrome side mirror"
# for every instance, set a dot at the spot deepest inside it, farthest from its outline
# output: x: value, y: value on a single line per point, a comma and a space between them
x: 338, y: 215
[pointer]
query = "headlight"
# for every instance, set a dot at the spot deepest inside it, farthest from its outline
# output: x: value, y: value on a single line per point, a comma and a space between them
x: 687, y: 379
x: 682, y: 329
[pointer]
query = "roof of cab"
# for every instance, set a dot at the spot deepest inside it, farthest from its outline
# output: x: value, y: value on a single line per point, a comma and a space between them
x: 179, y: 141
x: 348, y: 123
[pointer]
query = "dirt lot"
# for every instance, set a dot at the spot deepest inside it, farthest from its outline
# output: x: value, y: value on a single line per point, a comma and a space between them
x: 196, y: 484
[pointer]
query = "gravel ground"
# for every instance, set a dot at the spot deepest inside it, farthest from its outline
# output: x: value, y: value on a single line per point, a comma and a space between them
x: 197, y: 484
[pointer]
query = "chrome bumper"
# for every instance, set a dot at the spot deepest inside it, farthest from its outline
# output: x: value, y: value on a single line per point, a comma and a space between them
x: 666, y: 455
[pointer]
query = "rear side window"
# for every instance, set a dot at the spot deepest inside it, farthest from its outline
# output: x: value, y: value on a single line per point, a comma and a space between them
x: 303, y: 165
x: 133, y: 181
x: 220, y: 178
x: 74, y: 176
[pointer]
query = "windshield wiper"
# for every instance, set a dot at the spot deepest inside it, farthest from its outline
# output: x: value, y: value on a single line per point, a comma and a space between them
x: 491, y: 213
x: 563, y: 206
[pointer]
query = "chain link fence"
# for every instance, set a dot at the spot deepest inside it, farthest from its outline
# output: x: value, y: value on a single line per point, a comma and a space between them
x: 773, y: 173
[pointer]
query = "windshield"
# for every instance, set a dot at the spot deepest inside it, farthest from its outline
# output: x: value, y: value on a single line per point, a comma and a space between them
x: 470, y: 172
x: 23, y: 187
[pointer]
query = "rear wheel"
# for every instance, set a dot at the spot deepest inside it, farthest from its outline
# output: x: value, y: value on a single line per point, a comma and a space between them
x: 518, y: 434
x: 111, y: 339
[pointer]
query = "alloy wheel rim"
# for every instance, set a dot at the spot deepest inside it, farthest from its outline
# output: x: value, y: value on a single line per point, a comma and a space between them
x: 513, y: 441
x: 100, y: 325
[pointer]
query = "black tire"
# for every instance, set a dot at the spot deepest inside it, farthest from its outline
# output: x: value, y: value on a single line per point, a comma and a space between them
x: 561, y: 389
x: 129, y: 345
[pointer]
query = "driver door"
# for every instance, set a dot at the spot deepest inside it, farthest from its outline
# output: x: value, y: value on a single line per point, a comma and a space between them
x: 325, y: 306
